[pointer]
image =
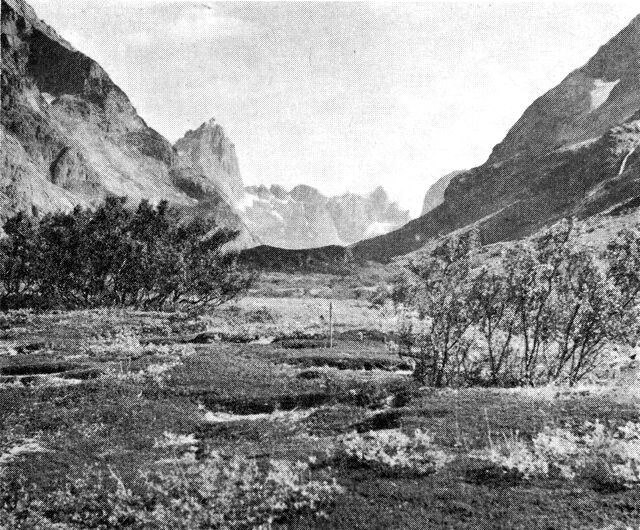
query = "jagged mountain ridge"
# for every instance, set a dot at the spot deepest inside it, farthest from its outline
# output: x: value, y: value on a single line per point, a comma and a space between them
x: 572, y: 153
x: 70, y: 136
x: 305, y: 218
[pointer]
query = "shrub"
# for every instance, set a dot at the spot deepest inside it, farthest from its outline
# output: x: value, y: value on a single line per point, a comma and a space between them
x: 392, y: 450
x: 546, y: 312
x: 214, y: 492
x: 432, y: 299
x: 114, y: 256
x: 608, y: 458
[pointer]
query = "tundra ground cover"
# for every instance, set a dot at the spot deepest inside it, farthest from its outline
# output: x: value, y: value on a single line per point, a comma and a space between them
x: 289, y: 413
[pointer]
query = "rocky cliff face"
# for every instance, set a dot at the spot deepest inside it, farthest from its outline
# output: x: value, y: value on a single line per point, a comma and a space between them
x: 305, y: 218
x: 435, y: 194
x: 70, y: 136
x: 574, y: 152
x: 211, y: 159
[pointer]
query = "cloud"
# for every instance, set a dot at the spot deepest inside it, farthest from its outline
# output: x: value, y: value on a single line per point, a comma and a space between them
x: 204, y: 22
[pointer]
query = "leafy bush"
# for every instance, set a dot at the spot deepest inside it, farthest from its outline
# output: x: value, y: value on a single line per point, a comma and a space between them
x: 545, y: 312
x: 185, y: 493
x: 606, y: 458
x: 392, y: 450
x: 433, y: 301
x: 115, y: 256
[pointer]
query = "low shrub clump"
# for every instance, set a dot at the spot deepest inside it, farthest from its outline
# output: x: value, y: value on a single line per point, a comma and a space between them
x: 214, y: 492
x: 126, y: 344
x: 607, y: 458
x: 392, y: 451
x: 117, y: 256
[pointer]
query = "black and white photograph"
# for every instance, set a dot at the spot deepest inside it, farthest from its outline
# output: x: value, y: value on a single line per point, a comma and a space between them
x: 320, y: 265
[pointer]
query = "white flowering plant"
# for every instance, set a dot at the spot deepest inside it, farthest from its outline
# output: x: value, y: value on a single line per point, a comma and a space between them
x: 392, y: 450
x: 605, y: 457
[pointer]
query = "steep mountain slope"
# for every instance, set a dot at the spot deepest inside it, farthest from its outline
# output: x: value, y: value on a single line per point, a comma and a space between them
x: 585, y: 104
x: 70, y: 136
x: 305, y: 218
x: 574, y: 152
x: 435, y: 194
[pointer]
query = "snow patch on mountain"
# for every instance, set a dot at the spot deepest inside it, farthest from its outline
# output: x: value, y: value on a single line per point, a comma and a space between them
x: 248, y: 201
x: 601, y: 91
x: 378, y: 228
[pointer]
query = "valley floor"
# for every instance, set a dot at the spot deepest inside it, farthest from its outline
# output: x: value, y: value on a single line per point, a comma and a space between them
x: 124, y: 390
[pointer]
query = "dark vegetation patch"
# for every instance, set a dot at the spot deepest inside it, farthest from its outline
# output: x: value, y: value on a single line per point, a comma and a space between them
x: 299, y: 340
x: 39, y: 368
x: 209, y: 337
x: 349, y: 339
x: 349, y: 363
x: 626, y: 207
x: 42, y: 375
x: 387, y: 419
x: 359, y: 395
x: 483, y: 473
x: 364, y: 335
x: 302, y: 344
x: 326, y: 260
x: 310, y: 374
x: 270, y: 404
x: 32, y: 347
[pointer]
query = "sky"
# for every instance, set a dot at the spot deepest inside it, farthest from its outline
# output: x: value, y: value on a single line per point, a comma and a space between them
x: 340, y: 96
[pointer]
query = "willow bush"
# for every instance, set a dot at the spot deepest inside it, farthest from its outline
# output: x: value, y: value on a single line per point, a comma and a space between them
x: 116, y: 256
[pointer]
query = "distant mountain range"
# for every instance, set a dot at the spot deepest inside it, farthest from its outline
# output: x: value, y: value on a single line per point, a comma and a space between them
x: 305, y: 218
x: 574, y: 152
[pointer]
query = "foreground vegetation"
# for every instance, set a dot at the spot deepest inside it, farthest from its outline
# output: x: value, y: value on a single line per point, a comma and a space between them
x: 127, y: 419
x: 546, y: 310
x: 446, y: 406
x: 115, y: 256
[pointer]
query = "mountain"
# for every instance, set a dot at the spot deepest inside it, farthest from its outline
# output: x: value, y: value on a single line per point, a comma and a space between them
x: 574, y: 152
x: 211, y: 158
x: 70, y: 136
x: 305, y: 218
x: 435, y: 194
x: 588, y: 102
x: 361, y: 216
